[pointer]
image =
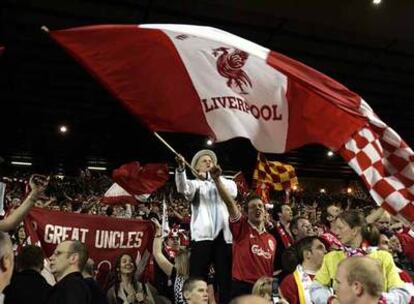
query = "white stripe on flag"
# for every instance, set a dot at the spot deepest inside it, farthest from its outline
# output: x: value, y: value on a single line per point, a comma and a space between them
x: 239, y: 92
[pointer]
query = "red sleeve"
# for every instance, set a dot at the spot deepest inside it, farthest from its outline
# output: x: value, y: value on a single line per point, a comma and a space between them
x: 404, y: 276
x: 238, y: 226
x: 407, y: 244
x: 289, y: 289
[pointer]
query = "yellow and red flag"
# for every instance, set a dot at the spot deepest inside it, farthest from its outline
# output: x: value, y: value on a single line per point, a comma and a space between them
x: 277, y: 175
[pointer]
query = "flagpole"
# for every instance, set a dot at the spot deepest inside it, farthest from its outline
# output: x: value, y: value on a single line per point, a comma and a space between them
x: 175, y: 152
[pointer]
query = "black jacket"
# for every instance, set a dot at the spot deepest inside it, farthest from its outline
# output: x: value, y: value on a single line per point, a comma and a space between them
x: 98, y: 295
x: 70, y: 290
x: 27, y: 286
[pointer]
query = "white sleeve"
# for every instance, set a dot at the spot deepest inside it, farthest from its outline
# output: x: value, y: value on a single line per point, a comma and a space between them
x: 230, y: 185
x: 319, y: 293
x: 399, y: 295
x: 185, y: 186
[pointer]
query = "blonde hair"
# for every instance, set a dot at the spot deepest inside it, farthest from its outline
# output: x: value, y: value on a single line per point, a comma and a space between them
x: 182, y: 262
x: 367, y: 271
x: 263, y: 287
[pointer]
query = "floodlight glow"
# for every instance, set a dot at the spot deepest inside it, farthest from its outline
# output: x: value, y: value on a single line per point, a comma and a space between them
x: 97, y: 168
x: 19, y: 163
x: 63, y: 129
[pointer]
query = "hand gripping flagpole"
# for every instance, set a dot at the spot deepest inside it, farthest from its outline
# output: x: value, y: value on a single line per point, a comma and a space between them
x: 175, y: 152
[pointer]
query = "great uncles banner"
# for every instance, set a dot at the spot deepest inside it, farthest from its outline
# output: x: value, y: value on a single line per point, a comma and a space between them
x: 105, y: 237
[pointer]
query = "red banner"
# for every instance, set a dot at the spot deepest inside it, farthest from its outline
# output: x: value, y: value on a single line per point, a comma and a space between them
x: 105, y: 237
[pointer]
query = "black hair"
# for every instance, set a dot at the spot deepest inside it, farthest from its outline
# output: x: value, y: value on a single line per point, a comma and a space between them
x: 294, y: 222
x: 30, y: 257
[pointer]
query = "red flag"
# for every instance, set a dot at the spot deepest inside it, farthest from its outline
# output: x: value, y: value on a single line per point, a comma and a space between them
x: 2, y: 49
x: 202, y: 80
x: 216, y: 84
x: 137, y: 179
x: 242, y: 186
x: 106, y: 237
x: 384, y: 162
x: 263, y: 190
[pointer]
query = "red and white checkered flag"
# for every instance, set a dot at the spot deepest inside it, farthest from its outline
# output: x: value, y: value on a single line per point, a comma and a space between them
x: 384, y: 162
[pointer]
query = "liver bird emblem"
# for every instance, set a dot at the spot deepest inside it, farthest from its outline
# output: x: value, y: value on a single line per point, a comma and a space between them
x: 229, y: 65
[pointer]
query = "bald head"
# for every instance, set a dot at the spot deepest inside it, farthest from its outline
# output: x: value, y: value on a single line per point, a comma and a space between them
x: 359, y: 280
x: 6, y: 260
x: 249, y: 299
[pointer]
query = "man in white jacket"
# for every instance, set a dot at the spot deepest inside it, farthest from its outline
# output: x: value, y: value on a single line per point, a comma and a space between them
x: 210, y: 233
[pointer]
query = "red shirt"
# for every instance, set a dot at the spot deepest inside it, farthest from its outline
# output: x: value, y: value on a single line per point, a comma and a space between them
x: 253, y: 251
x: 407, y: 244
x: 289, y: 289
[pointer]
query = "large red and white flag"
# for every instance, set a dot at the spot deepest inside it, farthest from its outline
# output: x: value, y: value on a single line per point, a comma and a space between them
x: 182, y: 78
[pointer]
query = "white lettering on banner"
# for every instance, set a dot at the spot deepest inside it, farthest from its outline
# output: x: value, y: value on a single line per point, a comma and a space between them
x: 260, y: 252
x: 117, y: 239
x: 265, y: 112
x: 55, y: 234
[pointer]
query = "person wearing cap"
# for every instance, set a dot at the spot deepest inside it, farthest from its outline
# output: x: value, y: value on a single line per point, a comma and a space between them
x: 211, y: 237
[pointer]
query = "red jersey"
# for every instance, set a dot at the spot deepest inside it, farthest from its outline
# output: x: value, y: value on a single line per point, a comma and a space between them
x: 289, y: 289
x: 253, y: 251
x: 407, y: 243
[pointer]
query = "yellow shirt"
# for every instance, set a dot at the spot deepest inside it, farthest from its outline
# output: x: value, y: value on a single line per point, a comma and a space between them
x: 327, y: 272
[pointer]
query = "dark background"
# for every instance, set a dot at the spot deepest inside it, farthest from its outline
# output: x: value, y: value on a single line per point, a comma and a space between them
x: 368, y: 48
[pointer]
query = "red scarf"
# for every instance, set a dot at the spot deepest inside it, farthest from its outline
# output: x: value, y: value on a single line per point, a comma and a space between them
x: 286, y: 238
x: 331, y: 240
x: 361, y: 251
x: 171, y: 253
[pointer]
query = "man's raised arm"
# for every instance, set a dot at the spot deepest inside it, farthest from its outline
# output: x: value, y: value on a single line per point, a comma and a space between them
x: 224, y: 194
x: 38, y: 184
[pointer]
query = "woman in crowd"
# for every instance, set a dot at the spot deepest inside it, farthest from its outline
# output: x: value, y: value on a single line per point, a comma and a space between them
x: 353, y: 231
x: 20, y: 239
x: 263, y: 288
x: 177, y: 272
x: 125, y: 290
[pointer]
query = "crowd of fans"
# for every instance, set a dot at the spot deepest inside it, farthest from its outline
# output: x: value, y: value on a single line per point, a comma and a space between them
x: 221, y: 247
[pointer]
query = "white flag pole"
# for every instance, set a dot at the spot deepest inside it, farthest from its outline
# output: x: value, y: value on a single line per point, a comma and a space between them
x: 165, y: 225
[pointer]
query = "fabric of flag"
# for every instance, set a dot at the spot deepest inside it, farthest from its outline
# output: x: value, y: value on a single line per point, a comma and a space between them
x: 116, y: 195
x: 277, y: 175
x: 263, y: 190
x: 202, y: 80
x: 241, y: 183
x: 384, y: 162
x: 139, y: 179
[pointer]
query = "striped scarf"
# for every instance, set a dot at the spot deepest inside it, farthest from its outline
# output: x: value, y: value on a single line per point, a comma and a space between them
x: 303, y: 282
